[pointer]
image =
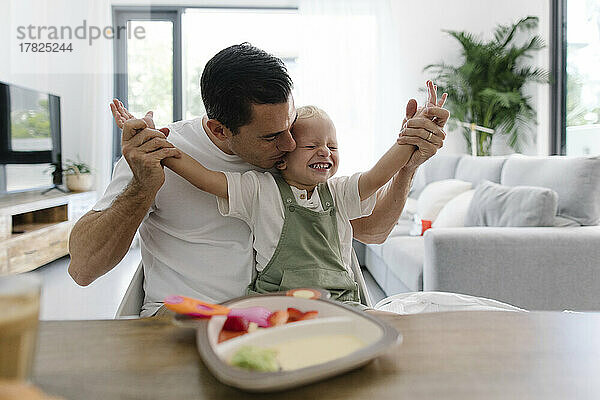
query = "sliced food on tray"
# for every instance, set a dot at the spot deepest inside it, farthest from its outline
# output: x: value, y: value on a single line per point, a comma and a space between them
x: 238, y: 325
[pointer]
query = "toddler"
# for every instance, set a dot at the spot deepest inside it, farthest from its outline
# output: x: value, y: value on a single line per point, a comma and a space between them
x: 300, y: 214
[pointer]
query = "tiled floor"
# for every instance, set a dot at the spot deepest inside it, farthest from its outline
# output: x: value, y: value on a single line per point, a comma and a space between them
x: 63, y: 299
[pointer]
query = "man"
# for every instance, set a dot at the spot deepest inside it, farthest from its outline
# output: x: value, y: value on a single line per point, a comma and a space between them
x: 187, y: 247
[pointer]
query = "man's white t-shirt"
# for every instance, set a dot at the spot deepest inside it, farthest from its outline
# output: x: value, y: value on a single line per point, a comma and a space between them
x: 187, y: 246
x: 254, y: 198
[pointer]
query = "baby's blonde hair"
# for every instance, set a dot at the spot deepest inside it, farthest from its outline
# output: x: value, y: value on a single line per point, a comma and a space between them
x: 306, y: 112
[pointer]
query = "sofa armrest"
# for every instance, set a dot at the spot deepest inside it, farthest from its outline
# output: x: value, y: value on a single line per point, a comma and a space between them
x: 533, y: 268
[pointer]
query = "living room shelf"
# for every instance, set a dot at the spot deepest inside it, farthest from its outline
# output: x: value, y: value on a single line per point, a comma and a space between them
x: 35, y: 227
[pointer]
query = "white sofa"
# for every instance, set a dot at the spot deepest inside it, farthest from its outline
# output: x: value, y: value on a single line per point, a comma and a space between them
x: 541, y: 268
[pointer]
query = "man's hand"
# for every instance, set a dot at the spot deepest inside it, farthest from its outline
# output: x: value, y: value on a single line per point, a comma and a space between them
x: 423, y: 127
x: 144, y: 148
x: 121, y: 115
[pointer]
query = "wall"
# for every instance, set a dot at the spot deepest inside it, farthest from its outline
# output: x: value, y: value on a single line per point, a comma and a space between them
x: 82, y: 78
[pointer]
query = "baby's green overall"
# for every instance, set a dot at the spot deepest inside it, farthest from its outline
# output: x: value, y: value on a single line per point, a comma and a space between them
x: 308, y: 253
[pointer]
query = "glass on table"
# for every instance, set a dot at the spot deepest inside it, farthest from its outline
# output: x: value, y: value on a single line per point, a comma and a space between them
x: 19, y: 315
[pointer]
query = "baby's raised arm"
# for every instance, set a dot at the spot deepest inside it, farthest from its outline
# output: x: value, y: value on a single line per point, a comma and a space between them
x: 207, y: 180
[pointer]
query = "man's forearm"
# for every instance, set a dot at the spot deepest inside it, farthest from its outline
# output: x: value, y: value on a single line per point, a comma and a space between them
x: 390, y: 201
x: 387, y: 166
x: 100, y: 239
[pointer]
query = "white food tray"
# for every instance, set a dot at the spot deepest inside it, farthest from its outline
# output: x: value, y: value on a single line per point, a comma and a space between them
x: 333, y: 318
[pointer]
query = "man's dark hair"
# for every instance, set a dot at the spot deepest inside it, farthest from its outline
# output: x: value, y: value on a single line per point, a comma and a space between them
x: 239, y: 76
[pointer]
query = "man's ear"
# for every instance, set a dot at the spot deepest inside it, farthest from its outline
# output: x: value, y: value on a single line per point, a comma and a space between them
x: 218, y: 129
x: 281, y: 165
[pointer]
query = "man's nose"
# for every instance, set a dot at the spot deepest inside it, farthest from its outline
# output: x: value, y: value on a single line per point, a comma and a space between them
x: 286, y: 142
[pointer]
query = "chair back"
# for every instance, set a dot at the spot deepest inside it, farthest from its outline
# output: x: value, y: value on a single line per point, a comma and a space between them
x: 365, y: 298
x: 133, y: 300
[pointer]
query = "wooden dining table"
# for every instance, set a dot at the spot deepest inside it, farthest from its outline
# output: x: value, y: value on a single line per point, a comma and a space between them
x: 451, y: 355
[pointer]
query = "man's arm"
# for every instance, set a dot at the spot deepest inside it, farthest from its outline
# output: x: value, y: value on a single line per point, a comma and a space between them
x: 100, y: 239
x: 390, y: 201
x: 424, y: 131
x: 372, y: 180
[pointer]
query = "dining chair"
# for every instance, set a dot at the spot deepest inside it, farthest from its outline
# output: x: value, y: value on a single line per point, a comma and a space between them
x: 132, y: 302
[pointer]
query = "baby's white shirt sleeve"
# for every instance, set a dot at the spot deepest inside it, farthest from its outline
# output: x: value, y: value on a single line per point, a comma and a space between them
x: 345, y: 191
x: 242, y: 190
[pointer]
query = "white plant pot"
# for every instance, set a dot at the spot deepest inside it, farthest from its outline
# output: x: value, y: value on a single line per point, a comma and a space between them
x: 79, y: 182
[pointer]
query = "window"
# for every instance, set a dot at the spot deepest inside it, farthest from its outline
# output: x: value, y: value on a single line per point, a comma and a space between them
x: 150, y: 70
x: 335, y: 56
x: 162, y: 71
x: 147, y: 74
x: 577, y: 82
x: 199, y: 24
x: 583, y: 80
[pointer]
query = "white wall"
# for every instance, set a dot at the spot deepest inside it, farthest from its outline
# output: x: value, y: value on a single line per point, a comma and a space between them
x: 82, y: 78
x: 421, y: 42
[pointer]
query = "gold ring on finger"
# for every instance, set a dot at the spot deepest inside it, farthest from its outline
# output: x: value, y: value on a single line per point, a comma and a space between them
x: 429, y: 137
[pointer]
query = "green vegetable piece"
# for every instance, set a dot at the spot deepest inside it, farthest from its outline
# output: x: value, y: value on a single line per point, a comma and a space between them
x: 256, y: 359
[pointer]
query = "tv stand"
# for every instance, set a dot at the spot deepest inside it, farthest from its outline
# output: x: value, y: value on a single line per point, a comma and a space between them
x: 55, y: 187
x: 35, y: 227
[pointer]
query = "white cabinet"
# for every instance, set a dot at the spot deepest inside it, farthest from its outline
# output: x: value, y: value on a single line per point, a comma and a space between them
x: 35, y: 227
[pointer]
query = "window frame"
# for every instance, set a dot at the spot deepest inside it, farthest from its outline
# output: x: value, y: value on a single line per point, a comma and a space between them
x: 121, y: 16
x: 558, y: 54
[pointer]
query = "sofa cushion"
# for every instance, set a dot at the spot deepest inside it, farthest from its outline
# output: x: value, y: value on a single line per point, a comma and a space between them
x: 576, y: 180
x: 477, y: 169
x: 454, y: 212
x: 437, y: 194
x: 499, y: 205
x: 438, y: 167
x: 404, y: 258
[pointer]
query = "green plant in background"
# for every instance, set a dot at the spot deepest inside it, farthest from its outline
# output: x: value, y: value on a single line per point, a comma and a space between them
x: 32, y: 123
x: 487, y: 89
x: 76, y: 167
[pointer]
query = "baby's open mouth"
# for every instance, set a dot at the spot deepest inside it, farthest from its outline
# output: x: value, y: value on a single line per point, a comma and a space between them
x: 320, y: 166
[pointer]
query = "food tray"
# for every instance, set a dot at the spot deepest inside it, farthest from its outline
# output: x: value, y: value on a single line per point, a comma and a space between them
x: 333, y: 318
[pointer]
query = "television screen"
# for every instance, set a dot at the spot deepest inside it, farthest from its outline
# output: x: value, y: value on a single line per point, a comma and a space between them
x: 30, y: 120
x: 29, y: 138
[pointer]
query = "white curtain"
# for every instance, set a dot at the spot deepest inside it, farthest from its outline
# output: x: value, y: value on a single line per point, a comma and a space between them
x: 83, y: 77
x: 97, y: 92
x: 348, y: 66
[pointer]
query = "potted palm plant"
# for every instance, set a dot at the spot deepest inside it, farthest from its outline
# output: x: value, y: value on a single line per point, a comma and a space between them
x: 487, y: 89
x: 79, y: 176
